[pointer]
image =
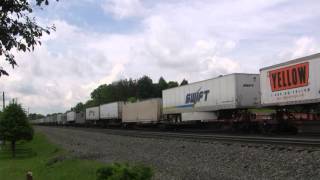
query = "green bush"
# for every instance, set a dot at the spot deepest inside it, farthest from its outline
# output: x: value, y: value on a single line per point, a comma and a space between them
x: 124, y: 172
x: 14, y: 126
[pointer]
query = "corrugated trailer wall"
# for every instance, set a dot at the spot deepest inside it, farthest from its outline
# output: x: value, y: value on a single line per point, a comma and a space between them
x: 292, y: 82
x: 54, y: 118
x: 71, y: 116
x: 59, y: 118
x: 92, y: 114
x: 224, y: 92
x: 111, y: 110
x: 64, y: 118
x: 80, y: 118
x: 147, y: 111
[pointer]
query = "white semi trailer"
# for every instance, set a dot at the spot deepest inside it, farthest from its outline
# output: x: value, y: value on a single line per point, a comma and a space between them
x: 204, y: 99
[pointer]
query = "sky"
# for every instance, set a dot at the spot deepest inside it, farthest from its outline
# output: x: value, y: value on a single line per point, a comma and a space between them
x: 100, y: 41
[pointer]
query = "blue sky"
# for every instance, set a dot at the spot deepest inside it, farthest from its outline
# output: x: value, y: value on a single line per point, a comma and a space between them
x: 100, y: 41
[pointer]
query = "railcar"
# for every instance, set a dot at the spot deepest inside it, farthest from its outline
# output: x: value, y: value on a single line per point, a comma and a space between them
x: 142, y: 112
x: 80, y: 118
x: 59, y: 118
x: 64, y: 119
x: 293, y: 89
x: 71, y: 117
x: 111, y: 113
x: 223, y: 100
x: 93, y: 115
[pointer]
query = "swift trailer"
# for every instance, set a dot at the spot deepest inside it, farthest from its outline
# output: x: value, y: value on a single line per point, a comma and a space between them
x: 212, y: 99
x: 292, y: 88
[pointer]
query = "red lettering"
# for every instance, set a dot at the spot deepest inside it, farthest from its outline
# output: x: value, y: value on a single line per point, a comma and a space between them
x: 289, y: 77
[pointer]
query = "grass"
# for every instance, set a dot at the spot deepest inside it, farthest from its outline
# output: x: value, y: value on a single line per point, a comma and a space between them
x: 46, y: 161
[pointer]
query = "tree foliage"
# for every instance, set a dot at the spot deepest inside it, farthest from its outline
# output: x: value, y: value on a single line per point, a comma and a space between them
x: 33, y: 116
x: 184, y: 82
x: 79, y: 107
x: 172, y: 84
x: 14, y: 125
x: 19, y: 29
x: 126, y: 90
x: 146, y: 88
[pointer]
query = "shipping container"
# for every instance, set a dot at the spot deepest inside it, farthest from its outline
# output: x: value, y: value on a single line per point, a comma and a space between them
x: 80, y: 118
x: 47, y: 119
x: 71, y: 116
x: 41, y: 120
x: 199, y: 116
x: 59, y: 118
x: 64, y: 118
x: 92, y: 114
x: 147, y: 111
x: 231, y: 91
x: 111, y: 110
x: 54, y: 118
x: 292, y: 82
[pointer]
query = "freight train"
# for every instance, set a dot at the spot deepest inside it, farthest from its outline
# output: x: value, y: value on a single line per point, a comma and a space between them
x: 289, y: 91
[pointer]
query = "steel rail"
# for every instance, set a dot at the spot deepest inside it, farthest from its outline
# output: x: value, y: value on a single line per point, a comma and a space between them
x: 212, y: 137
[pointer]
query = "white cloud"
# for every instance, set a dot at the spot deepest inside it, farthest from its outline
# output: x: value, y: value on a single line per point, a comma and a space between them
x: 305, y: 46
x: 124, y: 8
x: 302, y: 46
x: 177, y: 39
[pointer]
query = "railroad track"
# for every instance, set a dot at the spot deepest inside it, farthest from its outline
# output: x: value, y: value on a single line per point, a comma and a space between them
x: 294, y: 141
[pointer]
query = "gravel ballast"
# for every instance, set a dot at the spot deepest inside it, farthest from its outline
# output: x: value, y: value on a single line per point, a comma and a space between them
x: 179, y: 159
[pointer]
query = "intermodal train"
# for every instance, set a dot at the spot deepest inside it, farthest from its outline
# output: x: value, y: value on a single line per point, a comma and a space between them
x: 283, y: 97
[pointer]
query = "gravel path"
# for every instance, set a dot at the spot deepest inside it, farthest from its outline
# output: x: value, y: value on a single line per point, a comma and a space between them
x: 177, y: 159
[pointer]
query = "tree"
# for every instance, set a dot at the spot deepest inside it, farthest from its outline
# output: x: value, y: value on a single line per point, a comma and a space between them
x: 127, y: 90
x: 18, y: 29
x: 184, y: 82
x: 172, y: 84
x: 14, y: 126
x: 145, y: 88
x: 79, y: 107
x: 91, y: 103
x: 33, y: 116
x: 162, y: 85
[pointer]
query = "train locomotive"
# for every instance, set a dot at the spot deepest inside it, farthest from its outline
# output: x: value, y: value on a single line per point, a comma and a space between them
x: 289, y: 91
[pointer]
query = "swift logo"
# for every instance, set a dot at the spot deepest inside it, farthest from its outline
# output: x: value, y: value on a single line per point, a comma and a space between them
x: 197, y: 96
x: 289, y: 77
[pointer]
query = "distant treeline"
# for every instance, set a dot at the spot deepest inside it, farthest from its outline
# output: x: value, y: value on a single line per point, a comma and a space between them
x: 33, y: 116
x: 127, y: 90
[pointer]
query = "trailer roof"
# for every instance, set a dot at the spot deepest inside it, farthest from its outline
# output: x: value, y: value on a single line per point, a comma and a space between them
x: 213, y: 78
x: 311, y: 57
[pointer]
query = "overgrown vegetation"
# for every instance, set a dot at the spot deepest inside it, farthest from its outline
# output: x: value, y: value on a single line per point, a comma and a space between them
x: 127, y: 90
x: 124, y: 172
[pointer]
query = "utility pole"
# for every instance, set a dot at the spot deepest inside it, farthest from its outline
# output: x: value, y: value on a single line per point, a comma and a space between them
x: 3, y: 101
